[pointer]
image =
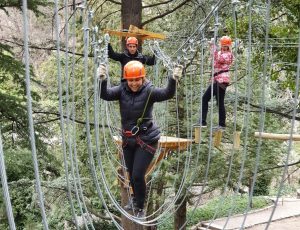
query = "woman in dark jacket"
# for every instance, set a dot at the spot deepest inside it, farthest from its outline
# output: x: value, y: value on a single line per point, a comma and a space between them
x: 131, y: 53
x: 140, y: 134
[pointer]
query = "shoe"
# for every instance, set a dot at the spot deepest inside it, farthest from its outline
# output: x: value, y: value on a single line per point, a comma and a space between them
x: 222, y: 127
x: 140, y: 213
x: 219, y: 127
x: 131, y: 204
x: 202, y: 125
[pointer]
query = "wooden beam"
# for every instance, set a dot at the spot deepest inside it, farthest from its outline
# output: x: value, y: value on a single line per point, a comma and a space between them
x: 136, y: 32
x: 278, y: 137
x: 152, y: 35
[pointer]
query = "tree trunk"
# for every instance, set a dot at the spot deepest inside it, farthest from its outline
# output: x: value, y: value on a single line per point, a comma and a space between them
x: 126, y: 223
x: 131, y: 14
x: 180, y: 215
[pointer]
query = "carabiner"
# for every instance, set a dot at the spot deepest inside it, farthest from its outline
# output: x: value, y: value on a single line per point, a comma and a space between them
x: 135, y: 130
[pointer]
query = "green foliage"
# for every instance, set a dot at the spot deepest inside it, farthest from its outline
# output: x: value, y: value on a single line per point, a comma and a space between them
x: 19, y: 164
x: 33, y: 5
x: 262, y: 185
x: 25, y: 208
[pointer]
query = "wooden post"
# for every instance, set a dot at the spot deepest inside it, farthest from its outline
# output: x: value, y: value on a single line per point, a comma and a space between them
x: 217, y: 138
x: 236, y: 140
x: 197, y: 131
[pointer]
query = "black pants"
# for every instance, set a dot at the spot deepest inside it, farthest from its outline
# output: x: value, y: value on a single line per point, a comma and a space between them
x: 137, y: 161
x: 219, y: 92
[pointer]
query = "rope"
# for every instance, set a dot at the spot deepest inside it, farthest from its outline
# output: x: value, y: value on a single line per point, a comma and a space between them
x: 9, y: 212
x: 290, y: 142
x: 103, y: 148
x: 262, y: 112
x: 30, y: 119
x: 61, y: 113
x: 73, y: 160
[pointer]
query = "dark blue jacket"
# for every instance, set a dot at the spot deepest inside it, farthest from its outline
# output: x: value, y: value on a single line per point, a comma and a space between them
x: 132, y: 105
x: 126, y: 57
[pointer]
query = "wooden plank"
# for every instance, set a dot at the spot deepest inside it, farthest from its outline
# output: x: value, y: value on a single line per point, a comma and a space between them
x: 135, y: 29
x: 122, y: 34
x: 136, y: 32
x: 276, y: 136
x: 166, y: 142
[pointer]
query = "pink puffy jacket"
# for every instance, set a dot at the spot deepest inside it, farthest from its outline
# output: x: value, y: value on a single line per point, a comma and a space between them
x: 222, y: 62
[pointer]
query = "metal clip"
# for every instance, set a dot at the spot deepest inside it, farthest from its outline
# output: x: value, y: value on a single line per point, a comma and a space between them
x: 135, y: 130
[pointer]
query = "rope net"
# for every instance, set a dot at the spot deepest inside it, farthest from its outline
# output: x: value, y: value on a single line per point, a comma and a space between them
x: 184, y: 177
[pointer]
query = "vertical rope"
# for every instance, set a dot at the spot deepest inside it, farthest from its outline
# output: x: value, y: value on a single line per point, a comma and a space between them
x: 30, y: 119
x: 69, y: 140
x: 296, y: 104
x: 262, y: 109
x: 59, y: 80
x: 7, y: 201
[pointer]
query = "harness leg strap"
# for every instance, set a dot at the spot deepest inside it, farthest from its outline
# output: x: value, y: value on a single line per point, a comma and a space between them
x: 145, y: 146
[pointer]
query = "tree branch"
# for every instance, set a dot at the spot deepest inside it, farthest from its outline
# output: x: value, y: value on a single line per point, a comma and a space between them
x: 65, y: 116
x: 276, y: 112
x: 278, y: 166
x: 45, y: 48
x: 118, y: 3
x: 157, y: 4
x: 164, y: 14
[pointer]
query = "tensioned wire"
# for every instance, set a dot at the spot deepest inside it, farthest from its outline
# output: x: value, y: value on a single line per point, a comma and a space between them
x: 296, y: 104
x: 7, y: 201
x: 61, y: 114
x: 262, y: 111
x: 167, y: 62
x: 30, y: 119
x: 97, y: 137
x: 230, y: 165
x: 110, y: 194
x: 248, y: 95
x: 86, y: 97
x: 202, y: 25
x: 201, y: 74
x: 72, y: 134
x: 233, y: 151
x: 210, y: 149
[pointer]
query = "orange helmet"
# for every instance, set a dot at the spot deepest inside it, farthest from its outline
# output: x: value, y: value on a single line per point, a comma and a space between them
x: 225, y: 41
x: 134, y: 69
x: 132, y: 40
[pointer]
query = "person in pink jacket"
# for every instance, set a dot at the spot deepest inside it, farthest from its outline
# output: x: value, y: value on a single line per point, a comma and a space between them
x: 222, y: 61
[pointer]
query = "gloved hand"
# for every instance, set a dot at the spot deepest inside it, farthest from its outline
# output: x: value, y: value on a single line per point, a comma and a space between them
x: 212, y: 41
x: 177, y: 72
x: 101, y: 71
x: 106, y: 37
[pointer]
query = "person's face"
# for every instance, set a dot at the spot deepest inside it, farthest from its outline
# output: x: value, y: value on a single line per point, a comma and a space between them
x: 135, y: 84
x: 225, y: 48
x: 132, y: 48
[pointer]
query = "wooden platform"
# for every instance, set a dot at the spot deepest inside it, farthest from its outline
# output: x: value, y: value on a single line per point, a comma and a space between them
x: 166, y: 144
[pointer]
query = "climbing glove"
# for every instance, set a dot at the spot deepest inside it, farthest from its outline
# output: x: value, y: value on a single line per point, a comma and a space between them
x: 177, y: 72
x: 101, y: 71
x: 106, y: 37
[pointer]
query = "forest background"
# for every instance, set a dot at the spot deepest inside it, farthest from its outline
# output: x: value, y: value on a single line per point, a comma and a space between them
x: 177, y: 20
